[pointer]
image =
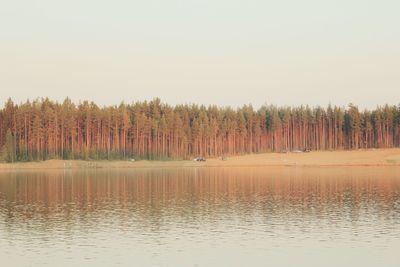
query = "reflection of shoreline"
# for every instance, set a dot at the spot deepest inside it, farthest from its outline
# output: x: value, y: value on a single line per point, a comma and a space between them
x: 377, y: 157
x: 148, y: 205
x: 156, y: 186
x: 155, y: 200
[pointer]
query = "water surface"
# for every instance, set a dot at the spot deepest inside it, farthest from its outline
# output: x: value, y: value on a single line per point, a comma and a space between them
x: 201, y: 217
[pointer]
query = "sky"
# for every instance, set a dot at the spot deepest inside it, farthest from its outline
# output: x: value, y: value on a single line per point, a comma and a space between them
x: 223, y: 52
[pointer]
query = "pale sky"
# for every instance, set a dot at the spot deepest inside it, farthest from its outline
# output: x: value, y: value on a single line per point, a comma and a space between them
x: 223, y: 52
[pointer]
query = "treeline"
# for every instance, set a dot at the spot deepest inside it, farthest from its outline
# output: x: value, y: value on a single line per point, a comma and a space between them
x: 44, y: 129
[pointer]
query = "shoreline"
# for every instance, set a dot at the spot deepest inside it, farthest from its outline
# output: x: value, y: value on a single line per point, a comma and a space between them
x: 350, y: 158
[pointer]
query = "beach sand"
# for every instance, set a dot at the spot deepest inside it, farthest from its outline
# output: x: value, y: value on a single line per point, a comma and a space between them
x: 370, y: 157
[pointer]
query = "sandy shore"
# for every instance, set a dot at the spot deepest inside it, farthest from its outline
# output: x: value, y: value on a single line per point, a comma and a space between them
x: 373, y: 157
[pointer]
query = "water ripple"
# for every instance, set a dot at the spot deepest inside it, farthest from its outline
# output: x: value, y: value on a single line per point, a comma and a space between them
x: 211, y: 217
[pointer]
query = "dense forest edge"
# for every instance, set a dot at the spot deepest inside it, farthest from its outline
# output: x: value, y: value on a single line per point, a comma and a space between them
x: 44, y: 129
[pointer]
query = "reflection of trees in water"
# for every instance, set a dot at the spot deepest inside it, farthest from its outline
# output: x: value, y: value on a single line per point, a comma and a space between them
x: 153, y: 200
x: 157, y: 188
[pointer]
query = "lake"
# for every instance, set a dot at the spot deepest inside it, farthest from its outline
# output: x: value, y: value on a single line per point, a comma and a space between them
x: 201, y: 217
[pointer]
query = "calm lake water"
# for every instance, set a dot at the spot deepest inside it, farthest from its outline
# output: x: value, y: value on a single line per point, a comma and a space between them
x: 201, y: 217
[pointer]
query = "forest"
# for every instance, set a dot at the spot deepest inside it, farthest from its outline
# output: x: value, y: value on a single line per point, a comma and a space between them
x: 44, y: 129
